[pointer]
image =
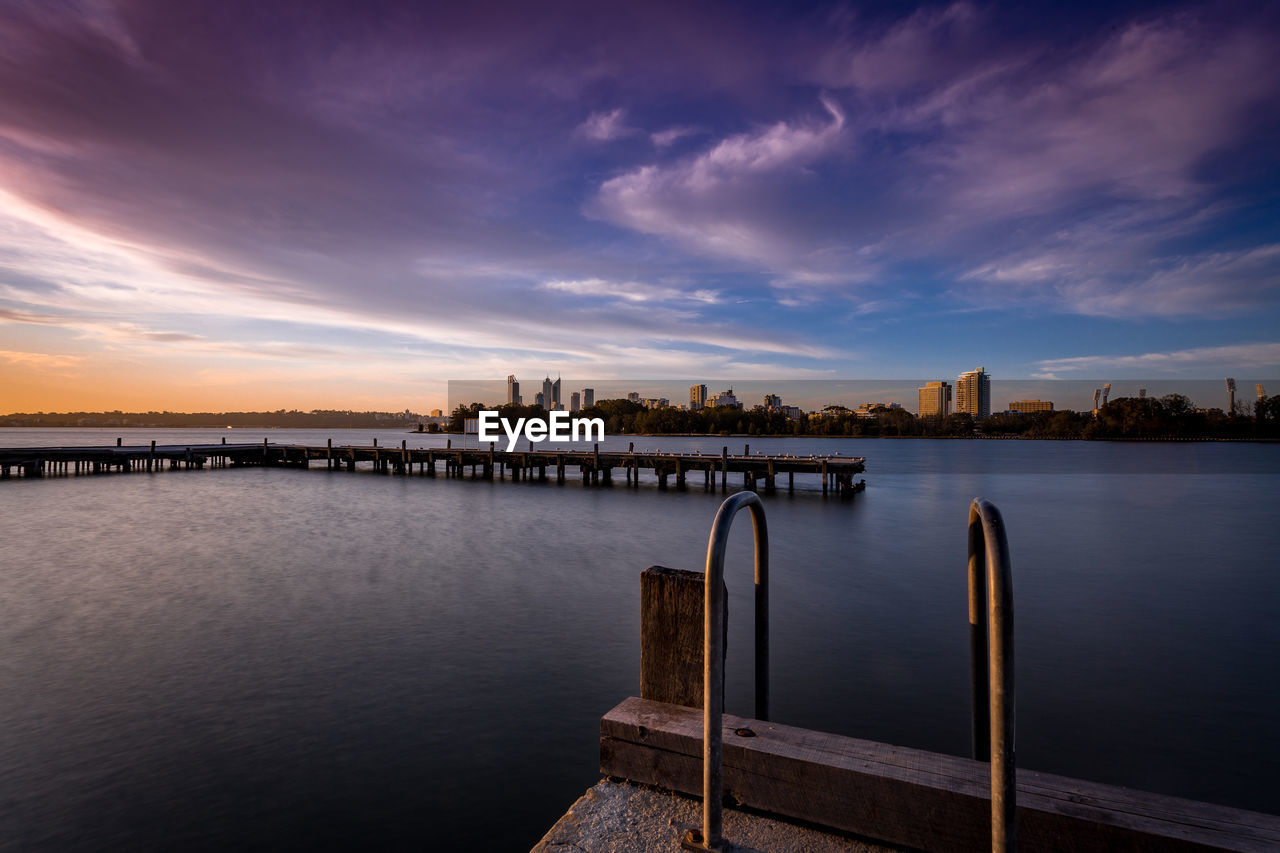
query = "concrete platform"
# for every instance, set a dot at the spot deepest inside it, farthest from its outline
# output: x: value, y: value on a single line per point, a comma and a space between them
x: 621, y: 817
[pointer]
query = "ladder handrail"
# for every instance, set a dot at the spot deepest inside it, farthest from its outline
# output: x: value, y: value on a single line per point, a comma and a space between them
x: 713, y: 657
x: 994, y: 713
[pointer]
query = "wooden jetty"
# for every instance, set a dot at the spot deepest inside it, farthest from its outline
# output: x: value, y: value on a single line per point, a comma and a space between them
x: 760, y: 472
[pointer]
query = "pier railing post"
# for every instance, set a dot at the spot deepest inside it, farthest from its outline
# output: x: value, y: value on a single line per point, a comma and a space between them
x: 994, y: 715
x: 672, y: 609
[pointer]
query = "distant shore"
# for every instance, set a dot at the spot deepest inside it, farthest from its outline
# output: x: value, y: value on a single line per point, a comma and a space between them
x: 400, y: 429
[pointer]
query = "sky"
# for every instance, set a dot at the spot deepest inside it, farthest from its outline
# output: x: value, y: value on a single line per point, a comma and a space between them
x: 240, y: 205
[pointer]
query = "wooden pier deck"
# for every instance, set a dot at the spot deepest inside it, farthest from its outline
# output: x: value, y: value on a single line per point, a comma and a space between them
x: 760, y: 472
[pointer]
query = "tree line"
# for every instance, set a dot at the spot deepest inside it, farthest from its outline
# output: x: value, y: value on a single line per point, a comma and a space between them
x: 1170, y: 416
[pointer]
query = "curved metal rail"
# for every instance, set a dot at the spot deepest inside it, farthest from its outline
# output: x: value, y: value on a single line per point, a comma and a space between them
x: 991, y: 664
x: 713, y: 659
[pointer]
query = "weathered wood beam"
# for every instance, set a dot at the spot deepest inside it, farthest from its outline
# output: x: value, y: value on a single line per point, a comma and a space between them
x: 908, y: 796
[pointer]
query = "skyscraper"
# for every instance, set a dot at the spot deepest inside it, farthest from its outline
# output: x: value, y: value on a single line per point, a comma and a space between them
x: 588, y: 397
x: 548, y: 397
x: 973, y: 393
x: 555, y: 392
x: 935, y: 400
x: 513, y: 391
x: 575, y: 402
x: 697, y: 396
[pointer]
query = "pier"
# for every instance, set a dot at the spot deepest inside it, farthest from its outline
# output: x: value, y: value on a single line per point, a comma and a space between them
x: 759, y: 472
x: 763, y: 784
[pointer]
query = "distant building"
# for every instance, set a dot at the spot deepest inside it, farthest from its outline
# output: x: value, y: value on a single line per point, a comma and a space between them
x: 548, y: 393
x: 633, y: 397
x: 436, y: 413
x: 794, y: 413
x: 540, y: 400
x: 973, y: 393
x: 724, y: 398
x: 555, y: 394
x: 935, y: 400
x: 575, y: 402
x: 655, y: 402
x: 513, y: 391
x: 772, y: 402
x: 1031, y: 406
x: 588, y: 397
x: 697, y: 396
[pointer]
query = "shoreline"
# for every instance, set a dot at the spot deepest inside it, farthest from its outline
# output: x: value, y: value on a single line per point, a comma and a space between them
x: 402, y: 431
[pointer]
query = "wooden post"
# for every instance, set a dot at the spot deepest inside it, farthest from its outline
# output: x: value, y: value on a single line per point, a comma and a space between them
x: 724, y: 469
x: 824, y: 478
x: 671, y: 641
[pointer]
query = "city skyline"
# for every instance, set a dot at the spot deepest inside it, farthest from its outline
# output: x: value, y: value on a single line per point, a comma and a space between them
x: 943, y: 393
x: 214, y: 206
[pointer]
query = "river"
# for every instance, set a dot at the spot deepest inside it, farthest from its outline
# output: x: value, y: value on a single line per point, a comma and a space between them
x: 266, y: 658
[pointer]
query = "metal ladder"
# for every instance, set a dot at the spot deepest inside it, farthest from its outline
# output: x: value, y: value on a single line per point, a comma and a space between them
x: 990, y: 639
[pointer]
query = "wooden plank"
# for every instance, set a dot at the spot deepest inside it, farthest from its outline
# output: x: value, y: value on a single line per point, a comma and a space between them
x: 671, y: 641
x: 908, y: 796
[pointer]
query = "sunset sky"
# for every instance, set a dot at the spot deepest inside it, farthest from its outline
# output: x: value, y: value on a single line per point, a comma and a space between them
x: 246, y: 205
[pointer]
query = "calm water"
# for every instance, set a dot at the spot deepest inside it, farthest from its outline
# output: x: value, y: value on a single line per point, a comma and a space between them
x: 256, y: 659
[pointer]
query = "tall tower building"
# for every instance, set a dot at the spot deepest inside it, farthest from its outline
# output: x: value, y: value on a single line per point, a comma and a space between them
x: 548, y: 399
x: 935, y: 399
x: 575, y: 402
x: 697, y: 396
x: 513, y: 391
x: 555, y: 392
x: 973, y: 393
x: 588, y: 397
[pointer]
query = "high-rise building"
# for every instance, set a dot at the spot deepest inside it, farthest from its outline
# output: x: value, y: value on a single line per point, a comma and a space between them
x: 973, y: 393
x: 555, y: 392
x: 513, y: 391
x: 575, y: 402
x: 1031, y: 406
x: 588, y: 397
x: 539, y: 400
x: 547, y: 396
x: 697, y: 396
x: 772, y: 402
x: 935, y: 399
x: 633, y: 396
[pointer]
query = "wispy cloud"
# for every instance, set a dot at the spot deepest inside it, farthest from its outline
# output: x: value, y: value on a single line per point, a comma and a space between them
x: 606, y: 126
x: 39, y: 359
x: 719, y: 201
x: 1261, y: 355
x: 671, y: 135
x: 633, y: 291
